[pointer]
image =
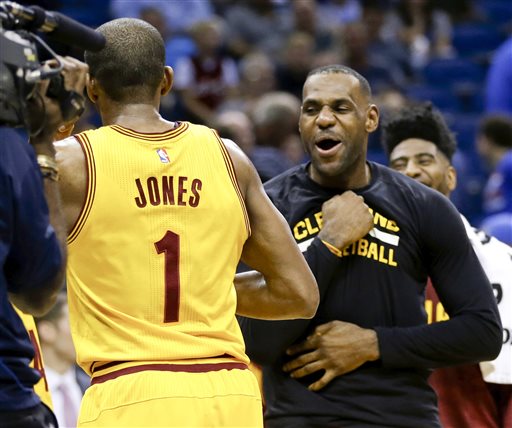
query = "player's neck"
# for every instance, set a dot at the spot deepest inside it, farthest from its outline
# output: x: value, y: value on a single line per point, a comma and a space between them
x: 139, y: 117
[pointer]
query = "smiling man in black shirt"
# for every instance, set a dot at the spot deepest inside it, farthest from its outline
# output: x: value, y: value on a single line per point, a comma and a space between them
x: 365, y: 358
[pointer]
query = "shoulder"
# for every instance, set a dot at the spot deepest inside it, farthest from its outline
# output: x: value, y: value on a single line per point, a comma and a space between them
x: 68, y: 151
x: 392, y: 184
x: 280, y: 185
x: 244, y: 169
x: 412, y: 202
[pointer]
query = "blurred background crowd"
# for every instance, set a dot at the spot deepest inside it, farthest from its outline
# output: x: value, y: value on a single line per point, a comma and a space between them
x: 239, y: 66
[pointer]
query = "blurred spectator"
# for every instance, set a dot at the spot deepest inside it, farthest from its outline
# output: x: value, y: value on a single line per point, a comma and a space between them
x: 389, y: 101
x: 275, y: 116
x: 494, y: 145
x: 387, y: 47
x: 297, y: 57
x: 462, y: 11
x: 255, y: 25
x: 67, y: 382
x: 331, y: 56
x: 177, y: 45
x: 257, y: 77
x: 236, y: 125
x: 498, y: 89
x: 337, y: 13
x: 425, y: 30
x: 205, y: 80
x: 179, y: 15
x: 306, y: 18
x: 376, y: 63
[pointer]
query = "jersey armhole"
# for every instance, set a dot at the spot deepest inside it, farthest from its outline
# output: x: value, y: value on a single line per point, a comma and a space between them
x: 90, y: 186
x: 232, y: 175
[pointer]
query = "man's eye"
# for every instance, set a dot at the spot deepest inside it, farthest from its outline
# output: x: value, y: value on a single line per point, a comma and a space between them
x: 425, y: 161
x: 398, y: 166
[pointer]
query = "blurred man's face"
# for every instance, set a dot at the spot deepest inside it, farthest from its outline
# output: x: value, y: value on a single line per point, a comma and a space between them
x: 422, y: 161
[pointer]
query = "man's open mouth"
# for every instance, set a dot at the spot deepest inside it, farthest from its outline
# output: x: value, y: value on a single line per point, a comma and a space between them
x: 327, y: 144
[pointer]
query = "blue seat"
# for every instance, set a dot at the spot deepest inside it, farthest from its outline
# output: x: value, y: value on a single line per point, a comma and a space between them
x: 465, y: 127
x: 440, y: 97
x: 450, y: 71
x: 471, y: 40
x: 496, y: 11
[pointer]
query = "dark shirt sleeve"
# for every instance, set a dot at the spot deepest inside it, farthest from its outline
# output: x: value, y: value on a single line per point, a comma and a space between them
x: 266, y: 341
x: 473, y: 332
x: 34, y: 255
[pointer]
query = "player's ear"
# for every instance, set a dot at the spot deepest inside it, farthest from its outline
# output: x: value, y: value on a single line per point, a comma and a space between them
x: 451, y: 178
x: 167, y: 81
x: 92, y: 89
x: 372, y: 118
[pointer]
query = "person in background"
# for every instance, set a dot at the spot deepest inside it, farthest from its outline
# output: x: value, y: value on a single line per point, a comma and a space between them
x: 494, y: 145
x: 32, y: 247
x: 159, y: 214
x: 420, y: 145
x: 372, y: 237
x: 236, y: 126
x: 498, y: 85
x: 67, y: 382
x: 206, y: 79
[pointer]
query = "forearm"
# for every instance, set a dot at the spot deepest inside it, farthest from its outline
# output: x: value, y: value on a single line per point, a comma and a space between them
x: 462, y: 340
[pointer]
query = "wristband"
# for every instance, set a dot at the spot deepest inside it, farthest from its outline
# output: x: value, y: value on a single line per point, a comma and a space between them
x: 337, y: 252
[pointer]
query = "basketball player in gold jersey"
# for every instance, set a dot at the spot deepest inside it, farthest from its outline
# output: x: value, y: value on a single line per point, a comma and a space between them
x: 160, y: 214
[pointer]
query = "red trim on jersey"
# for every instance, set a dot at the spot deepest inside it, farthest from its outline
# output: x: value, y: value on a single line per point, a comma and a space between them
x: 232, y: 174
x: 90, y: 165
x: 188, y: 368
x: 38, y: 359
x: 152, y: 136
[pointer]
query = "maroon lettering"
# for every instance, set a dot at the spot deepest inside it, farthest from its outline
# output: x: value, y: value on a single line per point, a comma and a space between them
x: 141, y: 199
x: 181, y: 190
x: 153, y: 192
x: 196, y: 186
x: 168, y: 190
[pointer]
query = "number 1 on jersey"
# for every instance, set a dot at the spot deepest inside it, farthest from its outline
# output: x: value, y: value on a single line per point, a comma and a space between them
x: 170, y: 246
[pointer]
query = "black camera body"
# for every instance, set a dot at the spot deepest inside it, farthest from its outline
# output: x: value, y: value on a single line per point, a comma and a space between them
x: 18, y: 59
x: 20, y: 68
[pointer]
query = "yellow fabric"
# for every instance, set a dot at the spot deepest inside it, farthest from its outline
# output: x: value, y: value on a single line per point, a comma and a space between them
x: 174, y: 399
x: 41, y: 387
x: 159, y: 207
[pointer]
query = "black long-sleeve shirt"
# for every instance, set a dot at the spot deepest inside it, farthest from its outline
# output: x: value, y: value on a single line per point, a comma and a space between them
x: 379, y: 283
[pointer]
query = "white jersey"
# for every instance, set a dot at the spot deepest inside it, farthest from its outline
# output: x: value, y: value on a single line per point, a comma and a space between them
x: 496, y: 260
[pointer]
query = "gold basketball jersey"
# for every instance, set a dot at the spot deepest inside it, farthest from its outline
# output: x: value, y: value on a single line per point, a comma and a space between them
x: 41, y: 387
x: 153, y: 254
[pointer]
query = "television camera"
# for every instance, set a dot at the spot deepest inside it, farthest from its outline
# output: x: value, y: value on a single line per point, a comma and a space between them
x: 20, y: 68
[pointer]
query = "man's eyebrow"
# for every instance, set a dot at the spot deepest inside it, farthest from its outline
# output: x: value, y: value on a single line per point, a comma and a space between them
x: 424, y: 154
x: 331, y: 101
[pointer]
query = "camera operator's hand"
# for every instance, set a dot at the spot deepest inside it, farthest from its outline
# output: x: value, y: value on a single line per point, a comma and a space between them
x: 46, y: 113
